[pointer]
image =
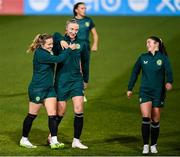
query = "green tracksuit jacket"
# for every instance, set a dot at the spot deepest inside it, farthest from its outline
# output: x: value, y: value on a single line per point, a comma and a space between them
x: 43, y: 73
x: 156, y: 71
x: 69, y: 78
x: 85, y: 26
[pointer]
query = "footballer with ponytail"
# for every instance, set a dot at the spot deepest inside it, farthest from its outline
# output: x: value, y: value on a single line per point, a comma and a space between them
x: 38, y: 41
x: 162, y: 47
x: 41, y: 88
x: 156, y: 79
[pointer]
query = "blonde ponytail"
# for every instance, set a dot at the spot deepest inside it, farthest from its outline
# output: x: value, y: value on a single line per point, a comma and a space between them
x: 38, y: 41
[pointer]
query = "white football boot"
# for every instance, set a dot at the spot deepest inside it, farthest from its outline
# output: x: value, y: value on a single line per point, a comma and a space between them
x: 77, y: 144
x: 153, y: 149
x: 145, y: 149
x: 24, y: 142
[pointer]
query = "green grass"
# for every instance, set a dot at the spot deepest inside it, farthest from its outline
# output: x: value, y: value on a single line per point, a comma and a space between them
x: 112, y: 122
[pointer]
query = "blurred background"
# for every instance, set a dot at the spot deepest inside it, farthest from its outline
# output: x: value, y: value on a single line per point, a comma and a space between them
x: 112, y: 122
x: 94, y: 7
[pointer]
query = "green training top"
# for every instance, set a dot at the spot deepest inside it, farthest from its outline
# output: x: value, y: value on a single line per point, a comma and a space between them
x: 85, y: 26
x: 43, y: 68
x: 70, y: 69
x: 154, y: 69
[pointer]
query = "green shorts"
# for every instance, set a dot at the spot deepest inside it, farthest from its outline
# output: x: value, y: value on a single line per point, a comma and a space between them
x: 156, y: 96
x: 38, y: 95
x: 67, y: 90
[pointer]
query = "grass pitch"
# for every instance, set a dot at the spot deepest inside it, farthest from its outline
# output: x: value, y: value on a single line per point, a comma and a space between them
x: 112, y: 122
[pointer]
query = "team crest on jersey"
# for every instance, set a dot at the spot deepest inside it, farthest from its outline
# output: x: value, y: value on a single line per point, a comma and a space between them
x: 87, y: 24
x: 38, y: 98
x: 159, y: 62
x: 78, y: 46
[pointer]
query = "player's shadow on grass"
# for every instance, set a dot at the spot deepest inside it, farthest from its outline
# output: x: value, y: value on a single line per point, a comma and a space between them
x: 123, y: 139
x: 128, y: 141
x: 171, y: 140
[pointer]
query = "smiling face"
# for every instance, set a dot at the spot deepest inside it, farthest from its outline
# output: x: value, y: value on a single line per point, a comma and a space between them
x: 152, y: 45
x: 48, y: 45
x: 72, y: 30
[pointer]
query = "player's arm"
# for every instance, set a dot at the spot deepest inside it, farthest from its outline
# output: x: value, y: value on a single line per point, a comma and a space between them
x: 59, y: 43
x: 46, y: 57
x: 95, y: 39
x: 135, y: 72
x: 84, y: 64
x: 169, y: 74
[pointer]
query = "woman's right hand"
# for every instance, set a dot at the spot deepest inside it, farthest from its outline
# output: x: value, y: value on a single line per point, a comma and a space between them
x: 129, y: 94
x: 85, y: 85
x: 64, y: 44
x: 168, y: 86
x: 72, y: 46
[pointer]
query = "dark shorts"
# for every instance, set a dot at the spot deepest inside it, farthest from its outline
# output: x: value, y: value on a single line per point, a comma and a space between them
x: 156, y: 96
x: 38, y: 95
x: 69, y: 90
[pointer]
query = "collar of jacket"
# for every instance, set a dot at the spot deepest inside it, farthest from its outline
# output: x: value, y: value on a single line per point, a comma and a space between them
x: 67, y: 38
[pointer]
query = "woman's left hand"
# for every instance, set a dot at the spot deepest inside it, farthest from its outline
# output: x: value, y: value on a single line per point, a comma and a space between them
x: 94, y: 48
x: 168, y: 86
x: 64, y: 44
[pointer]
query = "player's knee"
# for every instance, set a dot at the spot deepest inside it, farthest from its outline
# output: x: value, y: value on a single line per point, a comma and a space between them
x: 78, y: 109
x: 61, y: 113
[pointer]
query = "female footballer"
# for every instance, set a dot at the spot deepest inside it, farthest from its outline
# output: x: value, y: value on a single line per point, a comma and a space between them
x: 156, y: 79
x: 69, y: 79
x: 41, y: 89
x: 86, y: 25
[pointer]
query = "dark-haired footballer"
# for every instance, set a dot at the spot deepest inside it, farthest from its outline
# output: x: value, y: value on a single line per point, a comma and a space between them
x: 86, y: 26
x: 156, y: 79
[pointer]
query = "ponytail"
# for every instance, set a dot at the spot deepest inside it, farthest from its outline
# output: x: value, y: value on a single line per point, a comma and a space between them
x: 162, y: 47
x: 38, y: 41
